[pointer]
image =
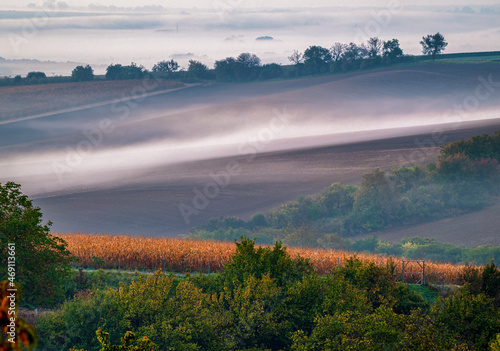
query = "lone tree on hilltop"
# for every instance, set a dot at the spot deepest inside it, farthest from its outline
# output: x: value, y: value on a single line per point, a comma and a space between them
x: 433, y: 44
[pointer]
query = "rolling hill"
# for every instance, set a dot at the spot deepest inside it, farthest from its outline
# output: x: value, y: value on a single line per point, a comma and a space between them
x: 126, y: 167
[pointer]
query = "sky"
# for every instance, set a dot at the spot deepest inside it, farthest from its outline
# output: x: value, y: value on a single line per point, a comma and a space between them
x: 96, y: 33
x: 254, y: 3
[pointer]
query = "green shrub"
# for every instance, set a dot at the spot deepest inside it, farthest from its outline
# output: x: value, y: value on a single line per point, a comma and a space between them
x: 251, y: 261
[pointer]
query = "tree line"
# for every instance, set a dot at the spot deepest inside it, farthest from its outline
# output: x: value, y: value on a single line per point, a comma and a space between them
x: 248, y: 67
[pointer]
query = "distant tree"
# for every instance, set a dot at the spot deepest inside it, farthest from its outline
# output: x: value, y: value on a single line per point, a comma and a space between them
x: 82, y: 74
x: 374, y: 46
x: 248, y: 60
x: 374, y: 201
x: 353, y: 53
x: 317, y: 59
x: 198, y: 69
x: 18, y: 80
x: 225, y: 69
x: 391, y: 50
x: 337, y: 51
x: 271, y: 71
x: 478, y: 147
x: 113, y: 71
x: 247, y: 66
x: 166, y: 67
x: 296, y: 57
x: 36, y: 77
x: 433, y: 45
x: 118, y: 71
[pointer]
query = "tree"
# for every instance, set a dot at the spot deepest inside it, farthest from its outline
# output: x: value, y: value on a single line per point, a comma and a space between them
x: 352, y: 54
x: 248, y: 60
x: 247, y: 66
x: 296, y: 57
x: 433, y: 45
x: 166, y: 67
x: 337, y: 51
x: 82, y: 74
x: 374, y: 200
x: 224, y: 69
x: 317, y: 58
x: 374, y: 47
x: 391, y: 50
x: 36, y: 77
x: 271, y: 71
x: 256, y: 262
x: 42, y: 261
x: 198, y: 69
x: 118, y: 71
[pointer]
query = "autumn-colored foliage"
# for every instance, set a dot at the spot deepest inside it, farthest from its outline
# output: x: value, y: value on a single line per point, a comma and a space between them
x: 16, y: 334
x: 181, y: 255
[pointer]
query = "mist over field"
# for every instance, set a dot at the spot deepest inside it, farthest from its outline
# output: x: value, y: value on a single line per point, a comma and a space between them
x: 100, y: 35
x: 128, y: 166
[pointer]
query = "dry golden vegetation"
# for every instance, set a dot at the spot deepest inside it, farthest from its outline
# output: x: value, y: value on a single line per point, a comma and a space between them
x: 182, y: 255
x: 28, y: 100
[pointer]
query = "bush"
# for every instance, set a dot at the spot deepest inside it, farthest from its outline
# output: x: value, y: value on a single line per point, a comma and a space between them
x: 256, y: 262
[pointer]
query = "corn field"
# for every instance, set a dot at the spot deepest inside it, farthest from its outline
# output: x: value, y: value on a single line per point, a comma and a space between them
x: 191, y: 255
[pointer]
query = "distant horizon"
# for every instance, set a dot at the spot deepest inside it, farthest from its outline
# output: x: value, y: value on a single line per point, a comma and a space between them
x: 226, y: 28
